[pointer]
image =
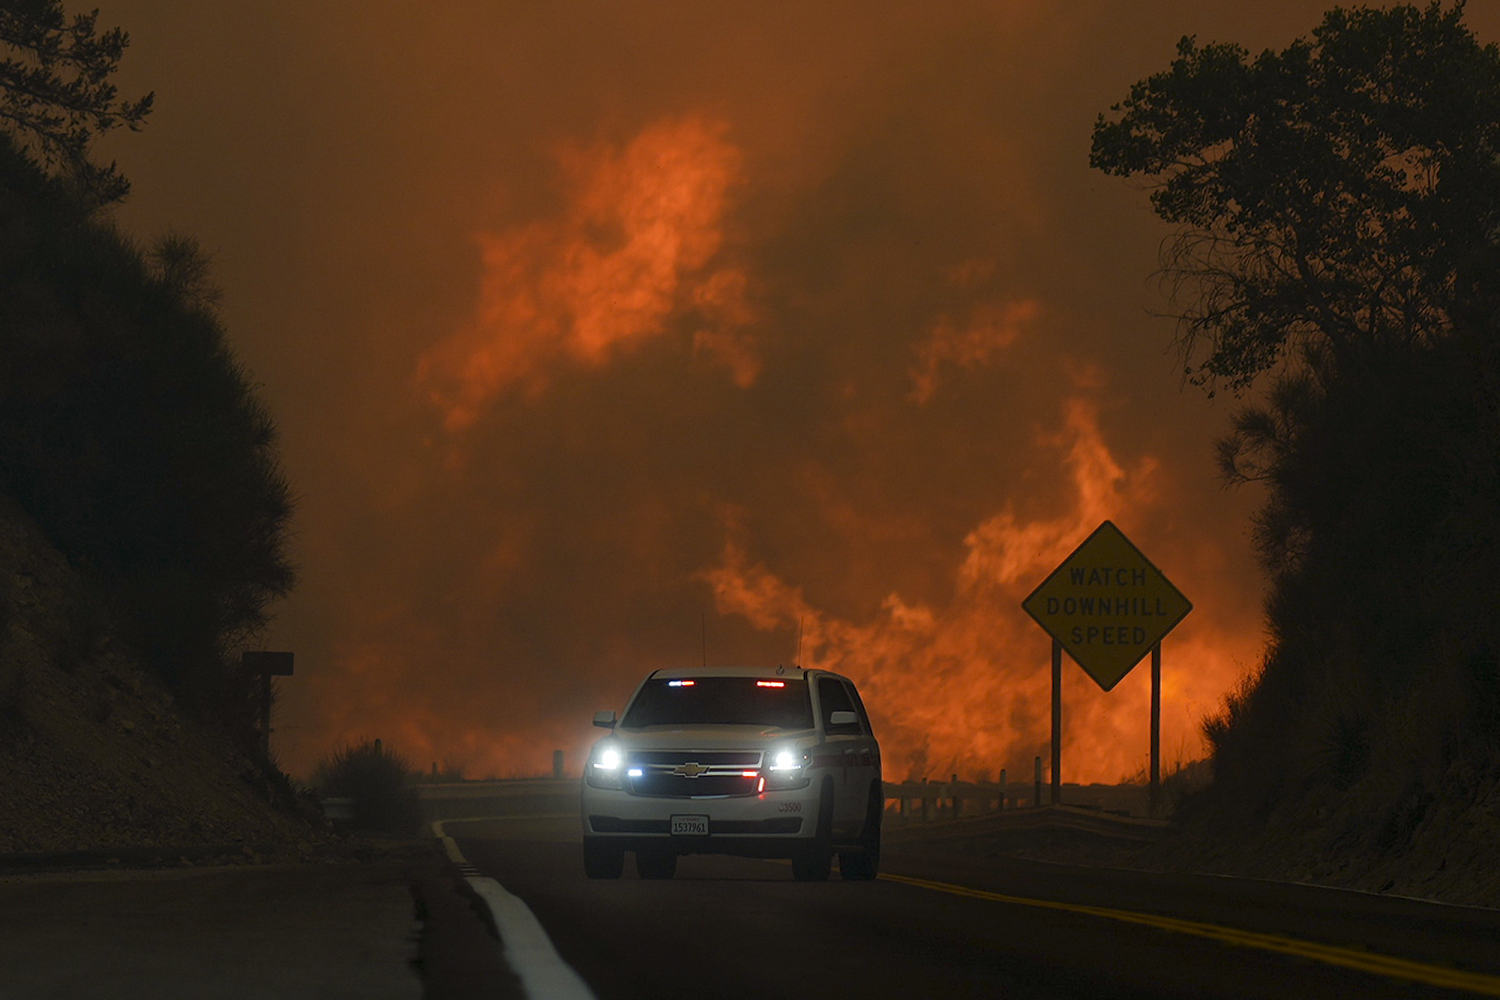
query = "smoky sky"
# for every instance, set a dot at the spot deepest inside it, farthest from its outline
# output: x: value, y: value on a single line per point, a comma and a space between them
x: 610, y: 337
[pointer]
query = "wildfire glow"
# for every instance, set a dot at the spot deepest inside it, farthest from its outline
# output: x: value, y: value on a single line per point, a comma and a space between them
x: 636, y: 248
x: 985, y: 332
x: 966, y: 688
x: 571, y: 545
x: 956, y: 687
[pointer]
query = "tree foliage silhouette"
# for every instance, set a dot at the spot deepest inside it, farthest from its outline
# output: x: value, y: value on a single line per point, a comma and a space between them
x: 132, y: 435
x: 1343, y: 192
x: 1337, y: 207
x: 55, y: 91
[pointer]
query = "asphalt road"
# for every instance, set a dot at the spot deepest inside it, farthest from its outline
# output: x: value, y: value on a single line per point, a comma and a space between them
x: 940, y: 927
x: 246, y: 932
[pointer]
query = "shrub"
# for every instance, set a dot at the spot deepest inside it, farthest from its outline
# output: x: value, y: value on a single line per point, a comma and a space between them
x: 133, y: 437
x: 379, y: 782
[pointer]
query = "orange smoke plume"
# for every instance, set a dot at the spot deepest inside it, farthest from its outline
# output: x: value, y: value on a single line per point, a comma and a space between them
x: 636, y: 247
x: 422, y: 733
x: 966, y: 688
x: 987, y: 331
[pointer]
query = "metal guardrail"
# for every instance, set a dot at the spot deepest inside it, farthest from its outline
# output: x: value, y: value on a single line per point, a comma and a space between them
x: 926, y: 801
x: 909, y: 804
x: 1049, y: 820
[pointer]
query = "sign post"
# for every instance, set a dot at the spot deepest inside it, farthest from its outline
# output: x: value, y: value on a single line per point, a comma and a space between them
x: 1056, y: 723
x: 266, y: 665
x: 1107, y: 605
x: 1155, y: 726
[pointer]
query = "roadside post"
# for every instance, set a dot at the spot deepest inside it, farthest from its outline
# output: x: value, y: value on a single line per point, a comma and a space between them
x: 266, y: 665
x: 1107, y: 605
x: 1056, y: 725
x: 1155, y: 727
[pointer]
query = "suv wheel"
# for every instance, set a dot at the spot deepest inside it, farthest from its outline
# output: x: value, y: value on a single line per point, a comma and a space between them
x: 655, y: 864
x: 813, y: 862
x: 864, y: 863
x: 602, y: 860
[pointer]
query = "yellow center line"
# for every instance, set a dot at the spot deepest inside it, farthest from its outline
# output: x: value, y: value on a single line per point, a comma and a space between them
x: 1349, y: 958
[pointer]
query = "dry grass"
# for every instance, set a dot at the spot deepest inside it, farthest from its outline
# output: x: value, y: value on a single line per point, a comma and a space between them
x: 379, y: 780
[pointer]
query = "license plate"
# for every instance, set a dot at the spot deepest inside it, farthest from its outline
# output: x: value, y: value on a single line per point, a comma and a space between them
x: 690, y: 826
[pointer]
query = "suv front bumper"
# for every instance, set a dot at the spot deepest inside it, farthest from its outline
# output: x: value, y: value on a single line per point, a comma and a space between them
x: 768, y: 824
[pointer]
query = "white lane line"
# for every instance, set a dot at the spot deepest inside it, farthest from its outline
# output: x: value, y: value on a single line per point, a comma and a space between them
x: 524, y: 943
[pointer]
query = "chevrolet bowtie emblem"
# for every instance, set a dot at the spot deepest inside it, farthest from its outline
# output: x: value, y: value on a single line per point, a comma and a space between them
x: 689, y: 770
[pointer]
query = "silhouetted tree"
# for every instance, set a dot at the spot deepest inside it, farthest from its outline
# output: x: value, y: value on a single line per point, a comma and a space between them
x: 131, y: 434
x: 55, y: 91
x: 1338, y: 222
x: 1344, y: 192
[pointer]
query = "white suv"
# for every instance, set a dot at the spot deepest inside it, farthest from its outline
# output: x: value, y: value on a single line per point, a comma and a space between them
x: 772, y: 762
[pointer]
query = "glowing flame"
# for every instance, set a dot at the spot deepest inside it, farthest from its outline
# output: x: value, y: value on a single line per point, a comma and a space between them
x: 966, y: 688
x: 958, y: 687
x: 637, y: 247
x: 988, y: 330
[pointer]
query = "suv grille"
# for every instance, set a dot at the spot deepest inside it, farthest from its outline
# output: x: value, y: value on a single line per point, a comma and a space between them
x: 695, y: 773
x: 711, y: 758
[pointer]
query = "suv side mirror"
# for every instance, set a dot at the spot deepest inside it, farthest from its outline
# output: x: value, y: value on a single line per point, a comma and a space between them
x: 843, y: 717
x: 606, y: 720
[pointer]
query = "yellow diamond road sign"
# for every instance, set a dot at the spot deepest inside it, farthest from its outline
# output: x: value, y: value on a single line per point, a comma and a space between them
x: 1107, y: 605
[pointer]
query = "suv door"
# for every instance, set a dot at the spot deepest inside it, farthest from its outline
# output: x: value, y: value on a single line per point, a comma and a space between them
x: 850, y: 744
x: 865, y: 769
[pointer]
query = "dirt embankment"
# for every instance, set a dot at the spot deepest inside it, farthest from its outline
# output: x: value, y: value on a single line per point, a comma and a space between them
x: 1451, y: 856
x: 1443, y: 849
x: 94, y: 753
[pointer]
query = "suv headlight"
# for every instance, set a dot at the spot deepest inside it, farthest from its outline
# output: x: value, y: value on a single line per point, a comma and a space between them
x: 786, y: 767
x: 606, y: 767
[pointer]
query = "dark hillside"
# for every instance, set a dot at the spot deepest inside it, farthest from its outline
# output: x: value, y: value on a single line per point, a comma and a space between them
x: 95, y: 754
x: 1382, y: 536
x: 142, y: 517
x: 129, y: 433
x: 1369, y: 749
x: 1338, y: 236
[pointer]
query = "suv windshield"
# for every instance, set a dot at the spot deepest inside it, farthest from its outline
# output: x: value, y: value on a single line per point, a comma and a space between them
x: 721, y: 701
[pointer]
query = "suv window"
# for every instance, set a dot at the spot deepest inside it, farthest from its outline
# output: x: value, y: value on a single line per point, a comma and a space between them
x: 834, y: 697
x: 721, y: 701
x: 859, y: 706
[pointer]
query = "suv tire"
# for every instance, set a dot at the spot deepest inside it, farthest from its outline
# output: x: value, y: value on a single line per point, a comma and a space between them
x: 864, y: 864
x: 815, y: 861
